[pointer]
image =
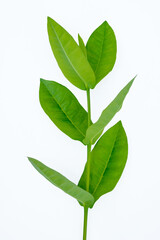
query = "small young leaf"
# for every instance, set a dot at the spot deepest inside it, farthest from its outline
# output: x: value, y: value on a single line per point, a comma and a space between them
x: 57, y: 179
x: 101, y: 50
x: 108, y: 113
x: 69, y: 56
x: 63, y: 109
x: 108, y: 159
x: 82, y: 45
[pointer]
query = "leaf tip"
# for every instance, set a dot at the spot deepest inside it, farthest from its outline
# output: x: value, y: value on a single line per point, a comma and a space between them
x: 131, y: 82
x: 50, y: 22
x: 85, y: 142
x: 79, y: 38
x: 136, y: 75
x: 119, y: 122
x: 42, y: 80
x: 33, y: 161
x: 134, y: 78
x: 30, y: 159
x: 105, y: 22
x: 48, y: 19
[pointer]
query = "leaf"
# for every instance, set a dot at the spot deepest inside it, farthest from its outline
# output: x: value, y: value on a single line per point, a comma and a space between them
x: 69, y: 56
x: 108, y: 113
x: 108, y: 159
x: 101, y: 50
x: 63, y: 183
x: 63, y: 109
x: 82, y: 45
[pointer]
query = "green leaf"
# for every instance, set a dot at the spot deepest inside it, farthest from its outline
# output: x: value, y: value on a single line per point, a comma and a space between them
x: 108, y: 159
x: 69, y: 56
x: 101, y: 50
x: 63, y: 183
x: 63, y: 109
x: 82, y: 45
x: 108, y: 113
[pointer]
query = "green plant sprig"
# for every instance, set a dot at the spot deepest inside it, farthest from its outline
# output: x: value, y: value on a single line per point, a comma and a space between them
x: 85, y: 66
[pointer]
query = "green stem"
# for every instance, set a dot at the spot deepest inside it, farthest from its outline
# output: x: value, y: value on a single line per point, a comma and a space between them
x: 89, y: 107
x: 89, y: 145
x: 88, y: 166
x: 85, y: 223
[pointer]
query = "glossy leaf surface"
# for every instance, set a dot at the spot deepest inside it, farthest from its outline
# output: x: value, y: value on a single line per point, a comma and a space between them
x: 101, y: 50
x: 63, y: 109
x: 63, y: 183
x: 70, y: 57
x: 108, y: 159
x: 108, y: 113
x: 82, y: 45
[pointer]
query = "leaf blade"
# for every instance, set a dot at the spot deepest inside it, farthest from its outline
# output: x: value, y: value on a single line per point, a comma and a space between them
x: 108, y: 159
x: 63, y: 109
x: 107, y: 115
x: 69, y: 56
x: 63, y: 183
x: 101, y: 50
x: 82, y: 45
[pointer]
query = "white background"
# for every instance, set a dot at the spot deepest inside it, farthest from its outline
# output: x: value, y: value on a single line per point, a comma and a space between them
x: 32, y: 208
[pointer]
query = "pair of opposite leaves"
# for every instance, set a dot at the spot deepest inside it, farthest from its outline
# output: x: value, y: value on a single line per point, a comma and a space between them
x: 85, y: 67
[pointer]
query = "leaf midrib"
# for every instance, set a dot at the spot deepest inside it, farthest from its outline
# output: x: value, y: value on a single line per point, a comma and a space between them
x: 68, y: 57
x: 105, y: 165
x: 64, y: 112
